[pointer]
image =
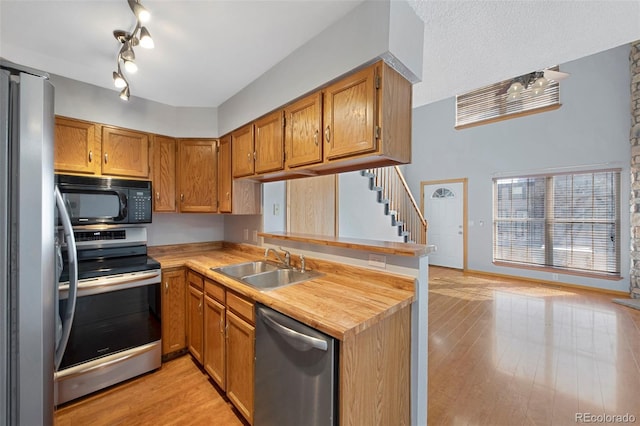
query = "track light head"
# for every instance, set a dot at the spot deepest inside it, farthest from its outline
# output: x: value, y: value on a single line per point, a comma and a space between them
x: 124, y: 94
x: 145, y: 38
x: 138, y: 9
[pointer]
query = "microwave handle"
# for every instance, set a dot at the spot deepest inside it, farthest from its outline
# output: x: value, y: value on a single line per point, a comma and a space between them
x: 67, y: 321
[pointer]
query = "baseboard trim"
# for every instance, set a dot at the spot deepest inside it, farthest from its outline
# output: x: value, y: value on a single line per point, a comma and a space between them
x: 545, y: 282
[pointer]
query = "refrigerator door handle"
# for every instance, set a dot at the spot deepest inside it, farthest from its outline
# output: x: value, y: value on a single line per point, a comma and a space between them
x: 300, y: 341
x: 67, y: 320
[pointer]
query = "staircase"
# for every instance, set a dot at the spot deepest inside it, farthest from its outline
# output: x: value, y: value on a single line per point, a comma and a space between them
x: 392, y: 191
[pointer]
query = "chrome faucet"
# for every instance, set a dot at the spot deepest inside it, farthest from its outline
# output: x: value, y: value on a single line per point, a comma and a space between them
x: 287, y: 256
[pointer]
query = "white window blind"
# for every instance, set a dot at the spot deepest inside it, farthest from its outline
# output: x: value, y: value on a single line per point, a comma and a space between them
x: 489, y: 104
x: 569, y: 221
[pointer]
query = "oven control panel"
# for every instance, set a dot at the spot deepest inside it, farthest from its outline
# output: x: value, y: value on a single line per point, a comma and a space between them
x: 139, y: 206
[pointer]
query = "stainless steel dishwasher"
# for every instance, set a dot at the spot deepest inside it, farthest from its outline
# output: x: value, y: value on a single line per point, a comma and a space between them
x: 295, y: 373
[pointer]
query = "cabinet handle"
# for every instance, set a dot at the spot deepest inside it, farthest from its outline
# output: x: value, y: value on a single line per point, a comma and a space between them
x: 226, y: 331
x: 315, y: 137
x: 106, y: 158
x: 221, y: 323
x: 200, y: 307
x: 327, y: 134
x: 90, y: 156
x: 228, y: 195
x: 254, y: 155
x: 249, y: 157
x: 166, y: 286
x: 182, y: 197
x: 157, y: 195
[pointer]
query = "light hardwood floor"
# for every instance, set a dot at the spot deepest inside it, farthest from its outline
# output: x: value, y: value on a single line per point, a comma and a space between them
x: 501, y: 352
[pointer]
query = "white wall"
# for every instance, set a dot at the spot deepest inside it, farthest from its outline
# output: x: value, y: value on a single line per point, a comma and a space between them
x: 590, y: 129
x: 175, y: 228
x: 359, y: 213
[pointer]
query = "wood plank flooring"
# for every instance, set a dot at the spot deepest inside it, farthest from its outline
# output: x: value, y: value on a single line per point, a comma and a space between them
x: 501, y: 352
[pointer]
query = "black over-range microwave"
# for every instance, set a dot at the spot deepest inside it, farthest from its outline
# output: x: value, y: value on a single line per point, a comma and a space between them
x: 98, y: 200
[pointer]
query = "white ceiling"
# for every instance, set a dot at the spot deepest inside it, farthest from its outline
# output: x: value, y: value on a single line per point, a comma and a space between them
x: 208, y: 50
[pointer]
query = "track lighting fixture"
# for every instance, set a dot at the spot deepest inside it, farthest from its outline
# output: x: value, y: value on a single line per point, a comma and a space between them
x: 140, y: 35
x: 536, y: 82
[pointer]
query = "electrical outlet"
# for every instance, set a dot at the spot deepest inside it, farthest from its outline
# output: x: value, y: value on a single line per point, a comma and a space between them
x: 254, y: 236
x: 554, y: 277
x: 378, y: 260
x: 276, y: 209
x: 245, y: 234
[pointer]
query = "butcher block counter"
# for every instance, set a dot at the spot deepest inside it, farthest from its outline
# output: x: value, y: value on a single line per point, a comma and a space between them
x: 368, y: 311
x: 343, y: 302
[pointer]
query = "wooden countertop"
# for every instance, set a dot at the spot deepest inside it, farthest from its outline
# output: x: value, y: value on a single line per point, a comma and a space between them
x: 341, y: 303
x: 385, y: 247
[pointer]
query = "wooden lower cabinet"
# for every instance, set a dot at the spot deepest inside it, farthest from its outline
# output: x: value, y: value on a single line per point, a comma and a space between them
x: 174, y: 317
x: 214, y: 334
x: 195, y: 309
x: 240, y: 364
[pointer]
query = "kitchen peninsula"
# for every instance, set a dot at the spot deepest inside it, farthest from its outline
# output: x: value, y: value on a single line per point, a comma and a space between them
x: 369, y: 312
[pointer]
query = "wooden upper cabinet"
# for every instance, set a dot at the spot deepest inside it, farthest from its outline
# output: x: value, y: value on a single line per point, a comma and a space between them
x: 125, y: 152
x: 303, y: 131
x: 225, y: 181
x: 269, y: 143
x: 164, y: 173
x: 242, y: 151
x: 76, y: 147
x: 350, y: 115
x: 197, y: 175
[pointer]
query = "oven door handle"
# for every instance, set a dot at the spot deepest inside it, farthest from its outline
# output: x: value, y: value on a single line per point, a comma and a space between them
x: 112, y: 283
x: 67, y: 321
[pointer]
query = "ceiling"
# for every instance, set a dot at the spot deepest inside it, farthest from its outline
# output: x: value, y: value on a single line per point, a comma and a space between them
x: 208, y: 50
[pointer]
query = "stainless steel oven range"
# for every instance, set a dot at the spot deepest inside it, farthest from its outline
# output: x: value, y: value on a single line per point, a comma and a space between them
x: 115, y: 334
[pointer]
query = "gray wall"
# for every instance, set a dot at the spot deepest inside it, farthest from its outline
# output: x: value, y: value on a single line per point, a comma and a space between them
x: 591, y: 129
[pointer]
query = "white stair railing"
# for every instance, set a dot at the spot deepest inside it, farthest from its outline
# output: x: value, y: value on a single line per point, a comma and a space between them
x: 393, y: 190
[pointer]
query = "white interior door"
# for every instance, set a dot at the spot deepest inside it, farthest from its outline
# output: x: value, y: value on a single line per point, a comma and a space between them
x: 444, y: 211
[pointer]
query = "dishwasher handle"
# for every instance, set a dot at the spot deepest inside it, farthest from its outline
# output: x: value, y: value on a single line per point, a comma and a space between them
x: 298, y: 340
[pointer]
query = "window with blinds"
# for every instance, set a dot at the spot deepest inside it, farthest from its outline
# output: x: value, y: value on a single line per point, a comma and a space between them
x: 489, y: 104
x: 568, y: 221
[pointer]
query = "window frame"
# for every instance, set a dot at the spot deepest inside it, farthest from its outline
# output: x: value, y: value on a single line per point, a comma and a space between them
x: 551, y: 219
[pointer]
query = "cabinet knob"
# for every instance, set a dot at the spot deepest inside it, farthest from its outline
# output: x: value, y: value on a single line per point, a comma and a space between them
x: 106, y: 158
x: 90, y: 156
x: 157, y: 195
x: 166, y: 286
x: 327, y: 134
x: 315, y: 137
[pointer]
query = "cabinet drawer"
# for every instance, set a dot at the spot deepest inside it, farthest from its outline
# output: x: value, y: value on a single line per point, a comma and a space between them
x: 195, y: 280
x: 214, y: 290
x: 240, y: 306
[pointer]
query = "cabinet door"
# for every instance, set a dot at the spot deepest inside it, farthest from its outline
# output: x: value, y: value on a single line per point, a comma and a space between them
x: 197, y: 175
x: 349, y: 115
x: 214, y: 340
x: 242, y: 151
x: 125, y: 153
x: 173, y: 311
x: 75, y: 146
x: 269, y: 143
x: 240, y: 364
x: 225, y: 181
x: 303, y: 124
x: 194, y: 322
x: 164, y: 174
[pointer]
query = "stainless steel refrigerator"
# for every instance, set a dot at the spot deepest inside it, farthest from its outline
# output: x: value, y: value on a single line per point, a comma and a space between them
x: 28, y: 286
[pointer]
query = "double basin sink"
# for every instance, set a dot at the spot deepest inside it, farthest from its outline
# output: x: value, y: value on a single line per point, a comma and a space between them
x: 266, y: 275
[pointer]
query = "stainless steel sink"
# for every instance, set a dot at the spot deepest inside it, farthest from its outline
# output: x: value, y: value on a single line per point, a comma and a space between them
x: 279, y: 278
x: 240, y: 270
x: 265, y: 275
